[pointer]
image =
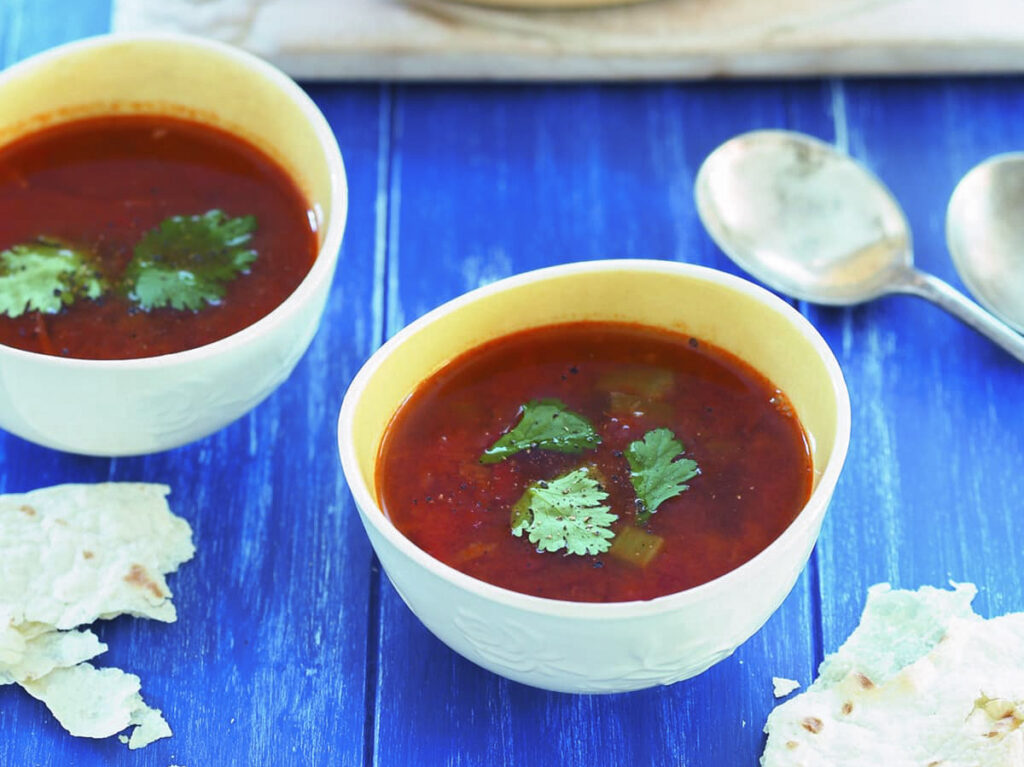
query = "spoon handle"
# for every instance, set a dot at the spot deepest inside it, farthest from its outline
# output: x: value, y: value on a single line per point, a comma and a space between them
x: 921, y: 284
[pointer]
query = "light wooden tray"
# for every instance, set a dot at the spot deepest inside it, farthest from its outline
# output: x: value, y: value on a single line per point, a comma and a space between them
x: 435, y: 39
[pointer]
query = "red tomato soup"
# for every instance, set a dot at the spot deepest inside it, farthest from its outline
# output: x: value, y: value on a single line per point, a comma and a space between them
x: 753, y: 467
x: 99, y: 185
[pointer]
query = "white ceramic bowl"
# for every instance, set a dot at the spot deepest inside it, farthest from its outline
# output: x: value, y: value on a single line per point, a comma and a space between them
x: 126, y: 407
x: 586, y: 647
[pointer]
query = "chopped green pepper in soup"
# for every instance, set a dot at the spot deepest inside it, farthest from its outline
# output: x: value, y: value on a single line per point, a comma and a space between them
x: 137, y: 235
x: 594, y: 462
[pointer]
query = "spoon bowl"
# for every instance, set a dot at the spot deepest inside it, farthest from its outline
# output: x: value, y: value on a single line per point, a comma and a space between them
x: 803, y: 218
x: 986, y: 238
x: 811, y: 222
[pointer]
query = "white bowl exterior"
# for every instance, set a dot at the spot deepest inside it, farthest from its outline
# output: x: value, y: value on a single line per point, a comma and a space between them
x: 131, y: 407
x: 587, y: 647
x: 618, y: 653
x: 112, y: 410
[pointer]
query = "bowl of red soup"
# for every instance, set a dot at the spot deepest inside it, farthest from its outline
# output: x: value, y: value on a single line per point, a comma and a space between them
x: 171, y: 211
x: 597, y: 477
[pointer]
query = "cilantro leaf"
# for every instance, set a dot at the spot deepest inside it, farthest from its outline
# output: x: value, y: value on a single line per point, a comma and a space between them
x: 186, y: 261
x: 45, y: 276
x: 547, y: 425
x: 565, y: 513
x: 655, y: 472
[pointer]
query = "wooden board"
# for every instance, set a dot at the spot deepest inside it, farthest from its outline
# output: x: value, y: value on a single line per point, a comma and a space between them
x: 431, y: 39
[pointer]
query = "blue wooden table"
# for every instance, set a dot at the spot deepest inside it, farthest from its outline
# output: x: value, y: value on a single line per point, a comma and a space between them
x: 291, y: 647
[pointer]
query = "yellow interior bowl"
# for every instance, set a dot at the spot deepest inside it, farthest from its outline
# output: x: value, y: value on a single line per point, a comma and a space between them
x: 644, y: 643
x: 728, y: 312
x: 136, y: 406
x: 177, y: 76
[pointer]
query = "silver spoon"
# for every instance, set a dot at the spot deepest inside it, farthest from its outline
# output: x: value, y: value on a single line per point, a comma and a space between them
x: 985, y: 233
x: 809, y: 221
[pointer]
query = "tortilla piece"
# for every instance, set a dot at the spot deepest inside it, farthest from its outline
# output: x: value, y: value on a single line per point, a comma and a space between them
x: 73, y: 553
x: 151, y: 726
x: 70, y: 555
x: 896, y: 628
x: 42, y: 653
x: 12, y: 642
x: 98, y: 702
x: 922, y: 681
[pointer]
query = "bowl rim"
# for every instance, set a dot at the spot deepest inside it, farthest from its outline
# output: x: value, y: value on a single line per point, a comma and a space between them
x: 811, y: 513
x: 328, y: 251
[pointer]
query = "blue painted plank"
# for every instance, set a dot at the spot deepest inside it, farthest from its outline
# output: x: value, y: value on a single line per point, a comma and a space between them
x: 267, y: 662
x: 455, y: 186
x: 936, y: 469
x: 490, y: 181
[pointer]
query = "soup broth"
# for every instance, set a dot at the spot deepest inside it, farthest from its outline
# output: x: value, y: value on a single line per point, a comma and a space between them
x: 442, y: 483
x: 99, y: 185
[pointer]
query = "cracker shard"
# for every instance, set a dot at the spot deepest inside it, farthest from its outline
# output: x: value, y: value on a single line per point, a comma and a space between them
x: 781, y: 686
x: 91, y: 702
x: 70, y: 555
x: 88, y: 552
x: 39, y: 654
x: 922, y: 680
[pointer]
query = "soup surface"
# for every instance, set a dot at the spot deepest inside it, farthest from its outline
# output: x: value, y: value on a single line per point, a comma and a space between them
x: 700, y: 460
x: 103, y: 188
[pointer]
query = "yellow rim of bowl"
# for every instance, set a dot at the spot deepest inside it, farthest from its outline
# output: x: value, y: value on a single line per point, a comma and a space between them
x: 324, y: 265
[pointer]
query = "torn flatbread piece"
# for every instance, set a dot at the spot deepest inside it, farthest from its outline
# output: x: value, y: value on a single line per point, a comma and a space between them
x: 98, y: 702
x: 42, y: 653
x: 922, y: 680
x: 70, y: 555
x: 73, y: 553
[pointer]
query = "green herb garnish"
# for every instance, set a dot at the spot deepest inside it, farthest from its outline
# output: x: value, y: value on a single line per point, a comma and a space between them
x: 567, y: 512
x: 655, y: 472
x: 186, y: 261
x: 45, y: 276
x: 546, y: 425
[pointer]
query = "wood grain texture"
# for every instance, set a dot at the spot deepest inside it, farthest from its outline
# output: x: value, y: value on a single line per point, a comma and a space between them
x: 267, y: 662
x: 292, y: 648
x: 487, y: 182
x: 934, y: 481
